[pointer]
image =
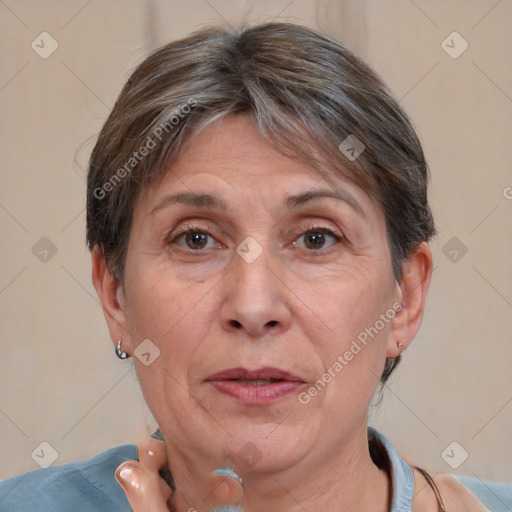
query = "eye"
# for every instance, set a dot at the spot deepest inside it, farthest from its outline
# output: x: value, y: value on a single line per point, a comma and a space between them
x: 198, y: 239
x: 192, y: 238
x: 316, y: 238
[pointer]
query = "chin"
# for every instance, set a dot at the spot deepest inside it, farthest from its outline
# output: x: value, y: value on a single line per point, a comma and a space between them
x: 268, y: 447
x: 253, y: 440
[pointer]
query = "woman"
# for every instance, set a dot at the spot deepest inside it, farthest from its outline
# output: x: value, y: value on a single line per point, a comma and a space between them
x: 258, y: 219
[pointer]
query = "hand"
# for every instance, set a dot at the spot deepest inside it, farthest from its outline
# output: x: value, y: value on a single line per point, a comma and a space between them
x: 147, y: 491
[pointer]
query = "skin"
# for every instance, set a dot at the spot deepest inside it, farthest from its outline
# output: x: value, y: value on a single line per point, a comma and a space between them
x: 298, y: 306
x: 456, y: 497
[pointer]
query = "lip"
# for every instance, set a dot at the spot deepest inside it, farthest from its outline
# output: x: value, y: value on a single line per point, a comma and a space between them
x: 230, y: 382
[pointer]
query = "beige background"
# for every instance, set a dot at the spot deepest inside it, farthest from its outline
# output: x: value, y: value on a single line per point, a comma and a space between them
x: 60, y: 381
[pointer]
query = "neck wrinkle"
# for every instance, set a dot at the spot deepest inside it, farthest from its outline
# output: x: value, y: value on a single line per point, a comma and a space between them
x: 356, y: 479
x: 351, y: 482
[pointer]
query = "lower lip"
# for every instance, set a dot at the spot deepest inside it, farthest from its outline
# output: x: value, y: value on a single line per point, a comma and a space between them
x: 256, y: 395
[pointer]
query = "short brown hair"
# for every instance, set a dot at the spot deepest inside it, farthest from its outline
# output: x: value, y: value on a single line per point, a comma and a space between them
x: 310, y: 97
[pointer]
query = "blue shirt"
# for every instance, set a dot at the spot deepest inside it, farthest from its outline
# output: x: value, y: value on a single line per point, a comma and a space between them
x: 90, y: 485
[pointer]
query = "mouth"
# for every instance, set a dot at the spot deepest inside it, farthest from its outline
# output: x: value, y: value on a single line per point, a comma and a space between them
x: 255, y: 387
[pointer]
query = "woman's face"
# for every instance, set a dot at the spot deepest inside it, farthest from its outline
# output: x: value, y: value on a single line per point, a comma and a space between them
x: 283, y: 281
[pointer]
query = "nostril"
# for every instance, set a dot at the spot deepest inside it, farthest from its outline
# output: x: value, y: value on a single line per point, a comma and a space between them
x: 272, y: 323
x: 236, y: 323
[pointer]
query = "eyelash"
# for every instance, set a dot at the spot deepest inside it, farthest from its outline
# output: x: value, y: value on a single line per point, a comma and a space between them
x: 189, y: 229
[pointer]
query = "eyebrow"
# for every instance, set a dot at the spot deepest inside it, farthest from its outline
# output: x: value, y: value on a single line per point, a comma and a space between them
x: 191, y: 199
x: 209, y: 201
x: 300, y: 199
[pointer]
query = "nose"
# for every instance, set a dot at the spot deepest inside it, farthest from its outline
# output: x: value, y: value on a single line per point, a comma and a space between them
x: 255, y: 298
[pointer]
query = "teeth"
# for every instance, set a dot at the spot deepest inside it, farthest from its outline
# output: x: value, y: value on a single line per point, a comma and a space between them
x: 257, y: 382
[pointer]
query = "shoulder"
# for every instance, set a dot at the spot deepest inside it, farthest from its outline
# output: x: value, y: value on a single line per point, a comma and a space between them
x: 81, y: 486
x: 467, y: 494
x: 459, y: 493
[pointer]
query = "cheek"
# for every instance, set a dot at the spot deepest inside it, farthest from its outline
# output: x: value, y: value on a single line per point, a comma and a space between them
x: 157, y: 301
x: 348, y: 302
x: 172, y: 315
x: 352, y: 341
x: 166, y: 311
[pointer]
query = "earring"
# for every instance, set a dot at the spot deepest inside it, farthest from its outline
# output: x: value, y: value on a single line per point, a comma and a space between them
x: 399, y: 345
x: 119, y: 351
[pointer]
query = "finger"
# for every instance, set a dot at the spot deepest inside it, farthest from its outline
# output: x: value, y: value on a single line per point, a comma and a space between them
x: 152, y: 454
x: 145, y: 490
x: 226, y: 491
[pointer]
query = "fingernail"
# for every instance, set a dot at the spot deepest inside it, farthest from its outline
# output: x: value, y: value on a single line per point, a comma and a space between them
x: 228, y: 508
x: 229, y: 473
x: 127, y: 475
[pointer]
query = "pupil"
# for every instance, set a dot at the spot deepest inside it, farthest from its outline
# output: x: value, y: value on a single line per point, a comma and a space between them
x: 317, y: 239
x: 197, y: 239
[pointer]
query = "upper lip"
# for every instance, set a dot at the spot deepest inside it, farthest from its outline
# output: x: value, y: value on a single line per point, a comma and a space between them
x: 259, y: 374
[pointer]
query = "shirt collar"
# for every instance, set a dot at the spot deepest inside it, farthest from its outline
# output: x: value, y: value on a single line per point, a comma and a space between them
x: 402, y: 478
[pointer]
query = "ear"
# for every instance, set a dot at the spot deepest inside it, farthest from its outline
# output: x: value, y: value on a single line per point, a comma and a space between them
x: 411, y: 294
x: 111, y: 294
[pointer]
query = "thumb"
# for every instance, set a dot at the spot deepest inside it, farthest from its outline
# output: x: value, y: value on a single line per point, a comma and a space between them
x: 225, y: 494
x: 226, y: 491
x: 144, y: 488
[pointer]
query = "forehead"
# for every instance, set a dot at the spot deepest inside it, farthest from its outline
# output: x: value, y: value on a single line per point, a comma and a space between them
x: 231, y: 160
x: 233, y: 147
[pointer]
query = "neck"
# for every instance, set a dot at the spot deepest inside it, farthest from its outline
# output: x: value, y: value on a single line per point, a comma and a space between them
x: 343, y: 480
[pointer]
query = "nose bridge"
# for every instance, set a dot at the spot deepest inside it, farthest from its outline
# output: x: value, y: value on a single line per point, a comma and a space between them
x: 253, y: 268
x: 256, y: 299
